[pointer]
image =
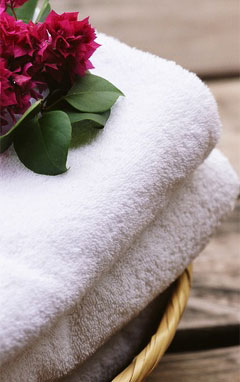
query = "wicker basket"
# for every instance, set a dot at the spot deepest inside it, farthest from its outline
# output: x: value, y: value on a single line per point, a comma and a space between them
x: 146, y: 361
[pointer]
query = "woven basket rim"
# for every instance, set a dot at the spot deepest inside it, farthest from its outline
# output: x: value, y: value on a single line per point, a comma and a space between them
x: 144, y: 363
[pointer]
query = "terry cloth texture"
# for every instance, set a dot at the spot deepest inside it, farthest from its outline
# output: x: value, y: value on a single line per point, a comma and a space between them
x: 111, y: 358
x: 153, y: 261
x: 62, y: 237
x: 176, y: 237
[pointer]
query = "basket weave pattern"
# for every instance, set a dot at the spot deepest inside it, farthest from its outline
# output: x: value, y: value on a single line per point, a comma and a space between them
x: 146, y: 361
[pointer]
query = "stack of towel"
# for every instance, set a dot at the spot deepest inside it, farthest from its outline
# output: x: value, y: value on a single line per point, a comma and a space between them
x: 85, y: 252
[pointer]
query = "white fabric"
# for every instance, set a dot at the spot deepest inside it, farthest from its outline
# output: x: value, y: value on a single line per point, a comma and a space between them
x: 60, y: 236
x: 117, y: 353
x: 155, y: 259
x: 170, y: 244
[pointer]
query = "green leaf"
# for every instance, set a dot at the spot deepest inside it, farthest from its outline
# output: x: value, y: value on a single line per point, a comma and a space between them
x: 85, y: 126
x: 42, y: 145
x: 80, y: 119
x: 7, y: 139
x: 26, y: 11
x: 83, y: 134
x: 44, y: 11
x: 92, y: 94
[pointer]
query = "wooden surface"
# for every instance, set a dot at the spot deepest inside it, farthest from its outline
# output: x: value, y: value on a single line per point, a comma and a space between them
x: 218, y: 365
x: 199, y: 35
x: 227, y: 94
x: 211, y: 320
x: 215, y: 295
x: 203, y: 37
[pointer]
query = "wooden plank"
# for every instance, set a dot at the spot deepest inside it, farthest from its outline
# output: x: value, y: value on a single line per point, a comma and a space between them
x: 215, y: 294
x: 205, y: 338
x: 227, y: 94
x: 200, y: 35
x: 218, y: 365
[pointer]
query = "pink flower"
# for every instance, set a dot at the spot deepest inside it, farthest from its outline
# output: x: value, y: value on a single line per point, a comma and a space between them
x: 17, y: 86
x: 10, y: 3
x: 71, y: 44
x: 16, y: 90
x: 2, y: 6
x: 36, y: 57
x: 8, y: 96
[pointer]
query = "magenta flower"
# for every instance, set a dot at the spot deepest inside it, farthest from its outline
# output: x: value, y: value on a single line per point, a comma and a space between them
x: 10, y: 3
x: 16, y: 92
x: 70, y: 45
x: 35, y: 57
x: 17, y: 86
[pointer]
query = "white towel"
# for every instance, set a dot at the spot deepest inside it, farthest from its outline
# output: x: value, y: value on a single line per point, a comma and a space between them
x: 116, y: 354
x: 60, y: 235
x: 172, y: 241
x: 155, y: 259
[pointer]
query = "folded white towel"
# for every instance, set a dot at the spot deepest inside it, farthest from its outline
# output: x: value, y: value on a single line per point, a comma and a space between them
x: 169, y: 244
x: 154, y: 260
x: 116, y: 354
x: 60, y: 235
x: 111, y: 358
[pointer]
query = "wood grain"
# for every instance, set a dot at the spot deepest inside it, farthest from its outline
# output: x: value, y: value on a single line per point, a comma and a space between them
x: 217, y: 365
x: 200, y: 35
x: 215, y: 297
x: 227, y: 94
x: 213, y: 306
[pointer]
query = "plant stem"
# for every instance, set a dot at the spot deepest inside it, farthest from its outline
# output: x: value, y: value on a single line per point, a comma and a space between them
x: 54, y: 103
x: 13, y: 11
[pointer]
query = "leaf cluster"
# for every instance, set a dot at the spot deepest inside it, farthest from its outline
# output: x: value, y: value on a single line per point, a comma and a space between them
x: 43, y: 135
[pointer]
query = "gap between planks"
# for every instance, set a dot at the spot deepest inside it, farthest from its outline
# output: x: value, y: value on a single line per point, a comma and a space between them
x: 218, y: 365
